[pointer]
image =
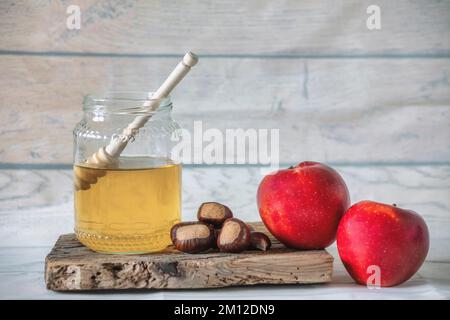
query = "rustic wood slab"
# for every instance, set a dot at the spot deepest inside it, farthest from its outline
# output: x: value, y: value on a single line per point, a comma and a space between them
x: 72, y: 266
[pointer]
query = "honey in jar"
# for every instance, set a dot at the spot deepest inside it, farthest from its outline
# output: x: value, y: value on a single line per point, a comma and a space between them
x: 128, y: 208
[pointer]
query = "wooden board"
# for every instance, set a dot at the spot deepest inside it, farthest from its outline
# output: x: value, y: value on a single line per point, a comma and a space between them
x: 71, y: 266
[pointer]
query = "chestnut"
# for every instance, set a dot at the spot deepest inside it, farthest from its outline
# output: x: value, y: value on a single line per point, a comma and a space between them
x: 213, y: 213
x: 234, y: 236
x: 260, y: 241
x: 192, y: 237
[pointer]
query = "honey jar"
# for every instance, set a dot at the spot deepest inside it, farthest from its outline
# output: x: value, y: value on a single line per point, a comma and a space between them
x: 128, y: 205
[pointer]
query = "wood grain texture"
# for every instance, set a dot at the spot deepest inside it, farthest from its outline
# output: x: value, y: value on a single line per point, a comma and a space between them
x: 232, y: 27
x: 327, y: 110
x: 339, y: 92
x: 72, y: 266
x: 36, y: 206
x: 22, y: 277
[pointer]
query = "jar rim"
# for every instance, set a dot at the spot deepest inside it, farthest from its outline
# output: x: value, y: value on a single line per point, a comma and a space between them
x: 124, y: 102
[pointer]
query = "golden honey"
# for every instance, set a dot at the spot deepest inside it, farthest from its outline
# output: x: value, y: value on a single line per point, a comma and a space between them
x: 131, y: 208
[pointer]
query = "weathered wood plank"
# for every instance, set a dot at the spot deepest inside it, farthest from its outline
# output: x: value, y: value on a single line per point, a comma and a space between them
x: 232, y: 27
x: 37, y: 205
x: 72, y: 266
x: 21, y: 277
x: 329, y: 110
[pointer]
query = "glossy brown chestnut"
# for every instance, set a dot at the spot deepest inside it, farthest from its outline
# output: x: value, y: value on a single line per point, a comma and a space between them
x: 192, y: 237
x: 213, y: 213
x: 234, y: 236
x: 260, y: 241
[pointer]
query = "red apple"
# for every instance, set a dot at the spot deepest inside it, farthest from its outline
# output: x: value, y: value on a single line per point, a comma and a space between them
x: 301, y: 206
x: 375, y: 234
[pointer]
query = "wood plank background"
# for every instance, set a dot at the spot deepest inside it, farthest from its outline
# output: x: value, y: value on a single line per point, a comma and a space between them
x: 375, y: 104
x: 328, y: 109
x: 338, y: 91
x: 227, y: 28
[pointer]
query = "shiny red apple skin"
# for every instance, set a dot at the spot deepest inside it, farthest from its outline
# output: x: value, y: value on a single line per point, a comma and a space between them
x: 302, y: 206
x: 394, y: 239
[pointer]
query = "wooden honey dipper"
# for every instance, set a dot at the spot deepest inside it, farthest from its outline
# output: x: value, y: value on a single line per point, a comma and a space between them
x: 107, y: 156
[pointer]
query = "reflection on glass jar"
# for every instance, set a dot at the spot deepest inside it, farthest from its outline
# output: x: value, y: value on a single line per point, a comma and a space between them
x: 130, y: 206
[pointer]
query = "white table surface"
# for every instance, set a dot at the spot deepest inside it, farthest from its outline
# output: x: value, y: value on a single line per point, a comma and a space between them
x: 36, y: 206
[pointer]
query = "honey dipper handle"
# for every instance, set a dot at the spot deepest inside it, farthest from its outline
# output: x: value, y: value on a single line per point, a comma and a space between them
x: 189, y: 60
x: 117, y: 144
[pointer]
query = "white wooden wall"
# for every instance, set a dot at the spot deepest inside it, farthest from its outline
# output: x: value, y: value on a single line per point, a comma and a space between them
x: 375, y: 104
x: 338, y: 91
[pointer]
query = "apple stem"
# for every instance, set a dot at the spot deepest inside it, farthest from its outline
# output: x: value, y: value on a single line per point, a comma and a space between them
x: 394, y: 204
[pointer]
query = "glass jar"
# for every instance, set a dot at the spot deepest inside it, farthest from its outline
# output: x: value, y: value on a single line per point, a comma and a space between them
x: 126, y: 204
